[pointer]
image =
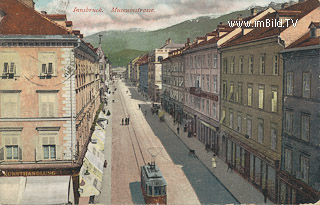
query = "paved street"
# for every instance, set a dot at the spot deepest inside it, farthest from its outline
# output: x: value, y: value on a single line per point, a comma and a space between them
x: 129, y: 152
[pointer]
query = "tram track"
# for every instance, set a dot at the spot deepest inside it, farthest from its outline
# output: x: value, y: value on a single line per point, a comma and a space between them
x: 133, y: 136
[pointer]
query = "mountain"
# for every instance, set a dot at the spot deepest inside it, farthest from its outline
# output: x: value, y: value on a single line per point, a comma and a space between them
x: 122, y: 46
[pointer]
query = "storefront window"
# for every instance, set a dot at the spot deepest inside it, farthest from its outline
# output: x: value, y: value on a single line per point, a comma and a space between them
x: 271, y: 182
x: 252, y: 167
x: 257, y: 171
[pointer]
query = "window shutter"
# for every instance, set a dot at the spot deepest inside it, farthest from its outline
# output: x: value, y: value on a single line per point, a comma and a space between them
x: 20, y: 153
x: 50, y: 70
x: 45, y: 140
x: 39, y: 153
x: 2, y: 153
x: 5, y: 67
x: 12, y: 67
x: 44, y: 68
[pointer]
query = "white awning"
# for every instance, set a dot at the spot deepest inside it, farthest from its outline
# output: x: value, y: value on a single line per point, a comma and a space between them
x: 11, y: 189
x: 48, y: 190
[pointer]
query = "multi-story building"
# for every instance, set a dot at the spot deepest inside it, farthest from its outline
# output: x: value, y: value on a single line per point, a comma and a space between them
x: 132, y: 69
x: 143, y: 74
x: 251, y: 94
x: 155, y: 68
x: 202, y: 83
x: 172, y: 98
x: 300, y: 176
x: 49, y: 93
x: 136, y: 75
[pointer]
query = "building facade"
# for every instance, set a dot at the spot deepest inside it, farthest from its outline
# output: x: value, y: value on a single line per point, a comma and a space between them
x: 155, y: 58
x: 172, y: 98
x: 251, y: 96
x: 300, y: 177
x: 49, y: 78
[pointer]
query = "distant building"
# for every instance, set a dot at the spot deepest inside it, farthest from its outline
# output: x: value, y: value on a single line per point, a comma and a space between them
x: 155, y: 69
x: 49, y: 94
x: 172, y: 98
x: 142, y: 64
x: 300, y: 175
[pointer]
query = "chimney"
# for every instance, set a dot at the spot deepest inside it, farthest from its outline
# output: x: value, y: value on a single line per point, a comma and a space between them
x: 253, y: 11
x: 284, y: 5
x: 239, y: 17
x: 188, y: 41
x: 100, y: 40
x: 169, y: 41
x: 29, y: 3
x: 44, y: 12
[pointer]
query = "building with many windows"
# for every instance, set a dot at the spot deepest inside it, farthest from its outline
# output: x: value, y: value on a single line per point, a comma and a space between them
x: 251, y: 94
x: 49, y: 94
x: 143, y: 74
x: 155, y: 58
x: 300, y: 175
x: 172, y: 97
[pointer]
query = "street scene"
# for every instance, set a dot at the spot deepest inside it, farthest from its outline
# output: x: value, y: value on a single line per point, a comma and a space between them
x: 181, y: 102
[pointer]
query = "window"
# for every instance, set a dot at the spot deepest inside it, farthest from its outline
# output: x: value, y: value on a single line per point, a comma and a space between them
x: 275, y: 70
x: 49, y: 151
x: 215, y: 60
x: 288, y: 121
x: 239, y: 128
x: 9, y: 70
x: 250, y: 95
x: 207, y: 104
x: 48, y: 148
x: 274, y: 100
x: 160, y: 58
x: 47, y: 104
x: 305, y: 127
x: 241, y: 64
x: 203, y: 82
x: 203, y: 60
x: 304, y: 168
x: 223, y: 116
x: 225, y: 65
x: 306, y: 85
x: 224, y: 90
x: 231, y: 119
x: 11, y: 146
x: 10, y: 104
x: 262, y: 64
x: 288, y: 160
x: 273, y: 136
x: 289, y: 83
x: 208, y: 60
x: 250, y: 65
x: 215, y: 84
x: 231, y: 93
x: 197, y: 81
x: 47, y: 63
x: 260, y: 131
x: 261, y: 96
x: 232, y: 65
x: 239, y: 93
x: 208, y: 83
x: 202, y: 105
x: 249, y: 126
x: 214, y: 110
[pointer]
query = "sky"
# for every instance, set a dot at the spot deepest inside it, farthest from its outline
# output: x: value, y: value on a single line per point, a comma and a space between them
x: 165, y: 12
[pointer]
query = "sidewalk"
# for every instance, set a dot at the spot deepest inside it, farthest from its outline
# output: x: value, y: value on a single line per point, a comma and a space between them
x: 236, y: 184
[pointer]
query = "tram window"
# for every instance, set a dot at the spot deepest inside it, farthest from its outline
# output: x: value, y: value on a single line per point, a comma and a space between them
x: 150, y: 190
x: 157, y: 190
x: 163, y: 191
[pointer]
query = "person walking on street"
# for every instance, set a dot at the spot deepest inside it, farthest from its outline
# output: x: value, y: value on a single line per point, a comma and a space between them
x: 122, y: 121
x: 128, y: 120
x: 139, y: 106
x: 178, y: 129
x: 214, y: 162
x: 145, y: 113
x: 230, y: 166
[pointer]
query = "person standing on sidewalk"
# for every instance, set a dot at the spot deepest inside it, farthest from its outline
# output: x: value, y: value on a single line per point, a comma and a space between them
x: 128, y: 120
x: 122, y: 121
x: 178, y: 129
x: 214, y: 161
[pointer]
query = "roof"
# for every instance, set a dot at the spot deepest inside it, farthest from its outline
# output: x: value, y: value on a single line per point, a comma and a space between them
x: 21, y: 19
x: 304, y: 41
x: 296, y: 11
x: 172, y: 46
x: 316, y: 24
x: 143, y: 59
x: 56, y: 16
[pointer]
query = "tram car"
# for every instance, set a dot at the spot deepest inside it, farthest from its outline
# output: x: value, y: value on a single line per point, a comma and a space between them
x: 153, y: 185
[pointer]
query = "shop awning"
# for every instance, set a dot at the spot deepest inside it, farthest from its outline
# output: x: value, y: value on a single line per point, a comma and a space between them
x: 48, y: 190
x: 11, y: 189
x: 210, y: 126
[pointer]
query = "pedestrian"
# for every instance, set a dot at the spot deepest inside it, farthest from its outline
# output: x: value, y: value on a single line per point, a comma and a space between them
x: 265, y: 194
x: 128, y: 120
x: 139, y: 106
x: 214, y: 162
x: 105, y: 164
x: 230, y: 166
x: 178, y: 129
x: 122, y: 121
x: 145, y: 113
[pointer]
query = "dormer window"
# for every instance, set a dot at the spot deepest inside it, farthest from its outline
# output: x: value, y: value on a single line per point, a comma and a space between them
x: 314, y: 29
x: 2, y: 14
x: 313, y: 32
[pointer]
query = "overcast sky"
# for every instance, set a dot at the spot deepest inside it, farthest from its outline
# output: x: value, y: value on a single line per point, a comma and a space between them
x: 166, y: 12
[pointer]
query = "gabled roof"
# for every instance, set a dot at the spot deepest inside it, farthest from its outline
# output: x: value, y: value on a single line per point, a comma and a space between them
x: 304, y: 41
x: 296, y: 11
x: 142, y: 59
x: 21, y: 19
